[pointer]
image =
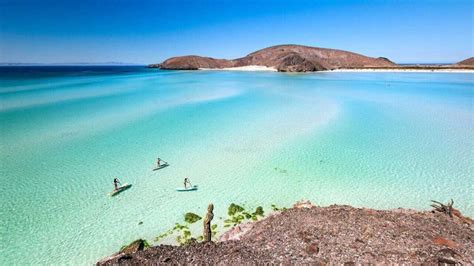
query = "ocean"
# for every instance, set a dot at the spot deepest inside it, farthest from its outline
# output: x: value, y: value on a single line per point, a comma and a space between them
x: 377, y: 140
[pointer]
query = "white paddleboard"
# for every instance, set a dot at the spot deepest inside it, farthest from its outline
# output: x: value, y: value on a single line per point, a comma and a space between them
x: 120, y: 189
x: 161, y: 167
x: 195, y: 187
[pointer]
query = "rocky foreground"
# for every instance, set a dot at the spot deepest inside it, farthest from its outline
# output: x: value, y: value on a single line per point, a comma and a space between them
x: 322, y: 235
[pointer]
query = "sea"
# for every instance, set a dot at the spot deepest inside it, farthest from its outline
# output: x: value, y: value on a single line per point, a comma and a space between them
x: 375, y: 140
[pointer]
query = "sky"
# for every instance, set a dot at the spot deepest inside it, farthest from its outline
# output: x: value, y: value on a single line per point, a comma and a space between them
x: 145, y: 31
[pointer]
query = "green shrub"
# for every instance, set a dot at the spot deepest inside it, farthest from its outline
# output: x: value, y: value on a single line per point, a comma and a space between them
x: 191, y: 217
x: 234, y: 208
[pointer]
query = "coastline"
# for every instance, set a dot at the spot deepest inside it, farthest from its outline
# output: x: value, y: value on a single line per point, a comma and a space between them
x: 401, y: 70
x: 256, y: 68
x: 243, y: 68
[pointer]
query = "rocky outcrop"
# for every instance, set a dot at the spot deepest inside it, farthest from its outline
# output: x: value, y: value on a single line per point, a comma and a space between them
x: 466, y: 62
x: 135, y: 246
x: 207, y: 233
x: 307, y: 234
x: 294, y: 62
x: 126, y: 252
x: 285, y: 58
x: 193, y: 62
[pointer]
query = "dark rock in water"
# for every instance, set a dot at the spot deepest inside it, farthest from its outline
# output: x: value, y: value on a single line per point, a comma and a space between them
x: 284, y: 58
x: 135, y: 246
x: 153, y: 66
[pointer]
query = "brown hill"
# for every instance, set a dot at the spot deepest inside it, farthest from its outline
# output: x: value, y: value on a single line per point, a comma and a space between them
x: 467, y: 62
x: 285, y: 58
x: 192, y: 62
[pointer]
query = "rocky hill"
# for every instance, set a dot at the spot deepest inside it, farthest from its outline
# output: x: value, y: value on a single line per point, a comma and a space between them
x: 306, y: 234
x: 466, y: 62
x: 284, y: 58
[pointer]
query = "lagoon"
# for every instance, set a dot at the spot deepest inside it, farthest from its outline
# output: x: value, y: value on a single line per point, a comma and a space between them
x: 378, y: 140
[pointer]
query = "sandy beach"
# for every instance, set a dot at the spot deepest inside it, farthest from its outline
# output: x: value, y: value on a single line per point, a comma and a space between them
x: 243, y: 68
x: 264, y: 68
x: 402, y: 70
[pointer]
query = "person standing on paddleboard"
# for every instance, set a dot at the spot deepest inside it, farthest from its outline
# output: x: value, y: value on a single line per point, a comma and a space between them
x: 186, y: 182
x: 116, y: 182
x: 158, y: 162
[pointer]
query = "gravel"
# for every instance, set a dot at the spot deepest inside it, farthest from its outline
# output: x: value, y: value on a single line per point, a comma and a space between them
x: 322, y: 235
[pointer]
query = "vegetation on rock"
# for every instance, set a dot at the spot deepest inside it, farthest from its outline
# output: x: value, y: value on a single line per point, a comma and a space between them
x: 137, y: 245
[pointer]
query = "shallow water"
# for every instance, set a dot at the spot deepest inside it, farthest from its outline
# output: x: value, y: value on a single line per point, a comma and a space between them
x: 380, y: 140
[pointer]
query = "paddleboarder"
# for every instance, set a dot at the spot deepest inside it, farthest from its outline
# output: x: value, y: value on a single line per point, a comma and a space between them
x: 116, y: 182
x: 158, y: 162
x: 186, y: 182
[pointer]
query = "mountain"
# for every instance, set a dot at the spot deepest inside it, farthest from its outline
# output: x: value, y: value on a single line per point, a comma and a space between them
x: 284, y: 58
x: 466, y: 62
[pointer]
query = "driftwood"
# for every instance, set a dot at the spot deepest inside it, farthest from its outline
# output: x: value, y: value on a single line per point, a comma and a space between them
x: 449, y: 210
x: 446, y: 209
x: 207, y: 223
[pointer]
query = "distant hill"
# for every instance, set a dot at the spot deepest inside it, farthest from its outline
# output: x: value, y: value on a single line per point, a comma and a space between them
x: 284, y: 58
x: 466, y: 62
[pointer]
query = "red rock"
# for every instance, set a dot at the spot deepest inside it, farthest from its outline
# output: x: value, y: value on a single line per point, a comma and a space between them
x: 445, y: 242
x: 312, y: 248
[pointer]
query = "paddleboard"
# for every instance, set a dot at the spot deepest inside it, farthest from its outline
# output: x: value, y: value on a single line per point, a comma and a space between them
x: 161, y: 167
x: 195, y: 187
x: 120, y: 189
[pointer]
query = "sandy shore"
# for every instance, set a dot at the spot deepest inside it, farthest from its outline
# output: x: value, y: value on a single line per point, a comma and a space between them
x: 243, y: 68
x: 403, y: 70
x: 264, y: 68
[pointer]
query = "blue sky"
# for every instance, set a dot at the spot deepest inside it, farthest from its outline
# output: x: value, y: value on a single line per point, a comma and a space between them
x: 62, y: 31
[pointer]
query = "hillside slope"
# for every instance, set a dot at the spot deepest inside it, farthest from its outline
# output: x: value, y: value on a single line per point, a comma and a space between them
x: 307, y: 234
x: 284, y: 58
x: 467, y: 62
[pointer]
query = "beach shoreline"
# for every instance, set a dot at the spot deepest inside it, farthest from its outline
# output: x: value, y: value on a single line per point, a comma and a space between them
x: 401, y: 70
x: 243, y: 68
x: 255, y: 68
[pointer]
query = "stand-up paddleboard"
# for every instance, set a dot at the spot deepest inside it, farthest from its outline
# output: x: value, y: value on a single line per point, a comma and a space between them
x: 120, y: 189
x: 181, y: 189
x: 161, y: 167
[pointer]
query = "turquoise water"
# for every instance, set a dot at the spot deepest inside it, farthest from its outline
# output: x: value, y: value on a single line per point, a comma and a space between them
x: 379, y: 140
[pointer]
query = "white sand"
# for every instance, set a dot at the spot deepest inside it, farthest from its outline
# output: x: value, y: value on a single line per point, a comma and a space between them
x: 402, y: 70
x: 243, y: 68
x: 264, y: 68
